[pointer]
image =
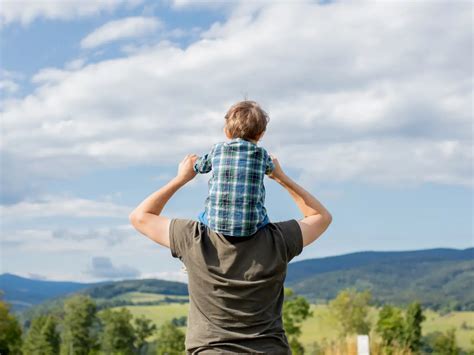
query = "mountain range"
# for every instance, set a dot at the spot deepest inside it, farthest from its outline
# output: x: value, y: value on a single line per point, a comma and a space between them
x: 438, y: 278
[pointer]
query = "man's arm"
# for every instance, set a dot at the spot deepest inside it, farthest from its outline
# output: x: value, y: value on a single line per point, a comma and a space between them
x: 146, y: 217
x: 316, y: 217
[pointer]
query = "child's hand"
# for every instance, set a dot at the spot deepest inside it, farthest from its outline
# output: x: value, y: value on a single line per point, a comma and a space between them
x: 277, y: 173
x: 185, y: 169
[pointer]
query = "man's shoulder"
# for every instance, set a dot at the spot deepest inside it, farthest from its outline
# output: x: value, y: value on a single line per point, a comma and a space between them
x: 287, y: 224
x: 181, y: 232
x: 291, y: 234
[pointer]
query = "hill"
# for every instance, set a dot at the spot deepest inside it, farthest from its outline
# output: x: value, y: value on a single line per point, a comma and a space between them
x: 438, y: 278
x: 23, y: 293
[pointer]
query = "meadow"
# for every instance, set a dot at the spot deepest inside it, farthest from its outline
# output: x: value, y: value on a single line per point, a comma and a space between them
x: 316, y: 328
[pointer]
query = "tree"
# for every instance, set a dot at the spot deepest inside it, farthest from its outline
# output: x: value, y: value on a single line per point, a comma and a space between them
x: 295, y: 310
x: 10, y: 331
x: 143, y: 329
x: 390, y: 326
x: 350, y: 309
x: 170, y: 340
x: 445, y: 343
x: 414, y: 318
x: 77, y: 337
x: 43, y: 337
x: 180, y: 322
x: 118, y: 334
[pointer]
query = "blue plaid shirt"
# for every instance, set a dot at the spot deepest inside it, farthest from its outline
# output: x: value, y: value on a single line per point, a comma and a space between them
x: 235, y: 202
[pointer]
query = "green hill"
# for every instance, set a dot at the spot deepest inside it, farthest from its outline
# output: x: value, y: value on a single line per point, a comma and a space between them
x: 438, y: 278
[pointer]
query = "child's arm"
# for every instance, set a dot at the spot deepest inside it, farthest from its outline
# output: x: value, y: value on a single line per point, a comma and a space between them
x: 269, y: 165
x: 203, y: 164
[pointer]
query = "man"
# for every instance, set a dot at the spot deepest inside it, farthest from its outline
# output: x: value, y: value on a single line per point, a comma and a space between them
x: 235, y: 283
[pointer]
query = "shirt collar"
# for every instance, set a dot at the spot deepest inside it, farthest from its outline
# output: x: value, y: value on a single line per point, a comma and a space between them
x: 238, y: 139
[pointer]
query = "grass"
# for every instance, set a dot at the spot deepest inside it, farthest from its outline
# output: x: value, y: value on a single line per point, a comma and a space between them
x: 147, y: 297
x: 436, y: 322
x: 316, y: 328
x: 322, y: 325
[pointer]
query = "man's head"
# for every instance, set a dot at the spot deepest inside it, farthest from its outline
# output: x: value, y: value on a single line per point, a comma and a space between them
x: 246, y: 120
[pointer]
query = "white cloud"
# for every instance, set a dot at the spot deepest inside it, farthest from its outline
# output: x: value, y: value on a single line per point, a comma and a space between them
x: 8, y: 86
x: 26, y: 11
x: 206, y: 4
x: 76, y: 240
x: 390, y: 162
x: 62, y: 206
x: 355, y: 91
x: 125, y: 28
x: 75, y: 64
x: 9, y: 81
x: 102, y: 268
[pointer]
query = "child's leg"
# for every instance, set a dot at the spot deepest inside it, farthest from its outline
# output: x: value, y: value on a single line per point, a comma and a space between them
x: 265, y: 221
x: 202, y: 217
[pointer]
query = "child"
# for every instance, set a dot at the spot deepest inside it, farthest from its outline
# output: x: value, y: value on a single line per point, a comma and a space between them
x: 235, y: 202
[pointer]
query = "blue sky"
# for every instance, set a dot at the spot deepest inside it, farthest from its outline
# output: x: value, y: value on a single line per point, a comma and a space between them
x: 369, y: 110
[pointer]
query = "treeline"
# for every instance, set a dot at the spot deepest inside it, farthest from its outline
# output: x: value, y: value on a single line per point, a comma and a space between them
x: 122, y: 302
x: 55, y: 306
x: 81, y: 329
x: 396, y: 330
x: 112, y: 289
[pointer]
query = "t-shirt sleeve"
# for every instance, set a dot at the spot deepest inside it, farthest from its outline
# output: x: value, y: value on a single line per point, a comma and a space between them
x: 292, y: 236
x: 269, y: 166
x: 181, y: 233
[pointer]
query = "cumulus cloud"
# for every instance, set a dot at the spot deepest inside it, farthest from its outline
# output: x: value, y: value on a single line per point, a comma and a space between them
x: 207, y: 4
x: 75, y: 239
x: 102, y: 267
x: 125, y: 28
x: 360, y: 91
x: 8, y: 86
x: 25, y: 11
x: 111, y: 235
x: 63, y: 206
x: 82, y: 239
x: 9, y: 81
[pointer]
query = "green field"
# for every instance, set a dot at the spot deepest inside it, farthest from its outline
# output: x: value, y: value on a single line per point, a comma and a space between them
x: 159, y: 314
x: 320, y: 325
x: 147, y: 297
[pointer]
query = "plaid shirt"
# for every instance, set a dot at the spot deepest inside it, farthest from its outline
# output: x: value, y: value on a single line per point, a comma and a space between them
x: 236, y: 198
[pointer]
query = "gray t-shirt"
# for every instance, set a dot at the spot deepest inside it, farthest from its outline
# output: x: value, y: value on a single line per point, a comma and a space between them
x: 235, y: 286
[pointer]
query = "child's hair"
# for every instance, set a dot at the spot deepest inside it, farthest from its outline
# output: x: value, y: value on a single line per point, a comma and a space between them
x: 246, y: 120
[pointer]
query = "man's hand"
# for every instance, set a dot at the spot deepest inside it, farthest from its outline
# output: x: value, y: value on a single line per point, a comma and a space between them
x: 185, y: 169
x: 277, y: 173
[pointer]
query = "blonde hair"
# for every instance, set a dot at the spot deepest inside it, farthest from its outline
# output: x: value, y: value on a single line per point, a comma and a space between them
x: 246, y: 120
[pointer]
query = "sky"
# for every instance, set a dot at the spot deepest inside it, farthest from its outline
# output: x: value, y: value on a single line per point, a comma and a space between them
x: 370, y: 107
